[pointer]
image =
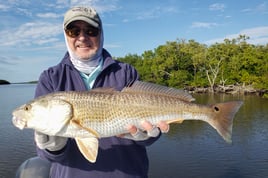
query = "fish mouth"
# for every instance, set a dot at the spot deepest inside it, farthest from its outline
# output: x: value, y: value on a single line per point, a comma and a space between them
x: 18, y: 122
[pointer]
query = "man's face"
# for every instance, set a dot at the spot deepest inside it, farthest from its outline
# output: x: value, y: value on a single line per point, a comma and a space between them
x: 83, y: 39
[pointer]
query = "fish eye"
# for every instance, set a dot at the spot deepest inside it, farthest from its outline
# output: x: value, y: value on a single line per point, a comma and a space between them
x: 27, y: 107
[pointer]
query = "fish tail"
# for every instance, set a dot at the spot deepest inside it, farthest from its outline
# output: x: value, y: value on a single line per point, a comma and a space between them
x: 223, y: 120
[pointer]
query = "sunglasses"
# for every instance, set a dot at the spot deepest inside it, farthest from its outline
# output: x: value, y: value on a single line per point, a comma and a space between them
x: 74, y: 32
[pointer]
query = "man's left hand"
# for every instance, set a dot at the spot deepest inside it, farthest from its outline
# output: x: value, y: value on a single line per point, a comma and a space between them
x: 148, y: 130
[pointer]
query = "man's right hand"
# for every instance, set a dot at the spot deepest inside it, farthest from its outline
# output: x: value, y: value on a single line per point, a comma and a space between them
x: 51, y: 143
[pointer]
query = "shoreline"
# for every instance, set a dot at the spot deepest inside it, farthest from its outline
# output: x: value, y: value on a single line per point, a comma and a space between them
x: 230, y: 89
x: 223, y: 89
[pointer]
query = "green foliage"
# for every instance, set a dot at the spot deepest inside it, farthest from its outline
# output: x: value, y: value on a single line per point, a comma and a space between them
x: 184, y: 63
x: 265, y: 96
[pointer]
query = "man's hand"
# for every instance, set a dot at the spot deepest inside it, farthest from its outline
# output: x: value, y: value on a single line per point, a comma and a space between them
x: 148, y: 130
x: 51, y: 143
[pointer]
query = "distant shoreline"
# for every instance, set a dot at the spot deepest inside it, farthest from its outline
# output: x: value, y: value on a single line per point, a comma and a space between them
x: 5, y: 82
x: 229, y: 89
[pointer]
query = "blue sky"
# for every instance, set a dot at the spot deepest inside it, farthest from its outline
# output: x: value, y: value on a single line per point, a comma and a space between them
x: 31, y: 32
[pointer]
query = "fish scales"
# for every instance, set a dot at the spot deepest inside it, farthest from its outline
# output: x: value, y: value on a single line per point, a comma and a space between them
x: 108, y: 111
x: 104, y: 112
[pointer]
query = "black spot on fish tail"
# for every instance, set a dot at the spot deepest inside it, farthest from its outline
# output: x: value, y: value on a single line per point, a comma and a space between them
x: 216, y: 108
x: 223, y: 118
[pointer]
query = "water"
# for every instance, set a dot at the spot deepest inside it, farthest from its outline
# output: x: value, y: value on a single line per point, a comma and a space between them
x: 194, y: 149
x: 16, y: 146
x: 189, y: 150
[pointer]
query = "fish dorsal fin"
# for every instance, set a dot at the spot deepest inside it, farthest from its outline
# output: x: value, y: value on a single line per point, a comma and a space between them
x: 88, y: 147
x: 146, y: 87
x: 104, y: 90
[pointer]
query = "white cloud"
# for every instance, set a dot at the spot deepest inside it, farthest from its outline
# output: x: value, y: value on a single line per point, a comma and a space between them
x: 260, y: 8
x: 246, y: 10
x: 258, y: 31
x: 4, y: 7
x: 43, y: 32
x: 16, y: 3
x: 5, y: 60
x: 217, y: 7
x: 24, y: 12
x: 257, y: 35
x: 82, y: 2
x: 63, y: 3
x: 30, y: 34
x: 48, y: 15
x: 203, y: 25
x: 153, y: 13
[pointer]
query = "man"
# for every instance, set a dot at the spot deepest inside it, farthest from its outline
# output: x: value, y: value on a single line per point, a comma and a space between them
x: 87, y: 65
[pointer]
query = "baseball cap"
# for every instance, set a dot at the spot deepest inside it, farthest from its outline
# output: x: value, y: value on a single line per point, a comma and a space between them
x: 87, y: 14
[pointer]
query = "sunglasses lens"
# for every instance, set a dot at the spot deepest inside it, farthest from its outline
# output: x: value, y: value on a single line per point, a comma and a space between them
x: 92, y: 32
x: 75, y: 32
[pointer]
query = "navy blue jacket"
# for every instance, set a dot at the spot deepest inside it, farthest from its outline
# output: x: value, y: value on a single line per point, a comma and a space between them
x: 117, y: 157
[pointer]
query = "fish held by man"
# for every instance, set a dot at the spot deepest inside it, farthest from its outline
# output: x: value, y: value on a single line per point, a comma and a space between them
x: 104, y: 112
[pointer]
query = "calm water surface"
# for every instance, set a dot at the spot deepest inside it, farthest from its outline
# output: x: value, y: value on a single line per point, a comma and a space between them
x: 189, y: 150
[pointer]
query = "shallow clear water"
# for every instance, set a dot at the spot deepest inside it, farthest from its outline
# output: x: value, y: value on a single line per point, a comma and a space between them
x: 192, y: 149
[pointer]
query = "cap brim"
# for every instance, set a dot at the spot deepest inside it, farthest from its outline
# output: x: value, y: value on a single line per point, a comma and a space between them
x: 85, y: 19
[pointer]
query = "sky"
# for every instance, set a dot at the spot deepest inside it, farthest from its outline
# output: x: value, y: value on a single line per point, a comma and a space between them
x: 31, y: 32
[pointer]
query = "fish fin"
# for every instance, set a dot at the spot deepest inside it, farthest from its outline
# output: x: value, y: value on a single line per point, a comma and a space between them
x: 178, y: 121
x: 223, y: 120
x: 92, y: 131
x: 88, y: 147
x: 146, y: 87
x: 104, y: 90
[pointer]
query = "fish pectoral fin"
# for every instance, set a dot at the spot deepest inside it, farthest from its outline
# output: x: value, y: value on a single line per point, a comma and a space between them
x: 92, y: 131
x: 88, y: 147
x: 178, y: 121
